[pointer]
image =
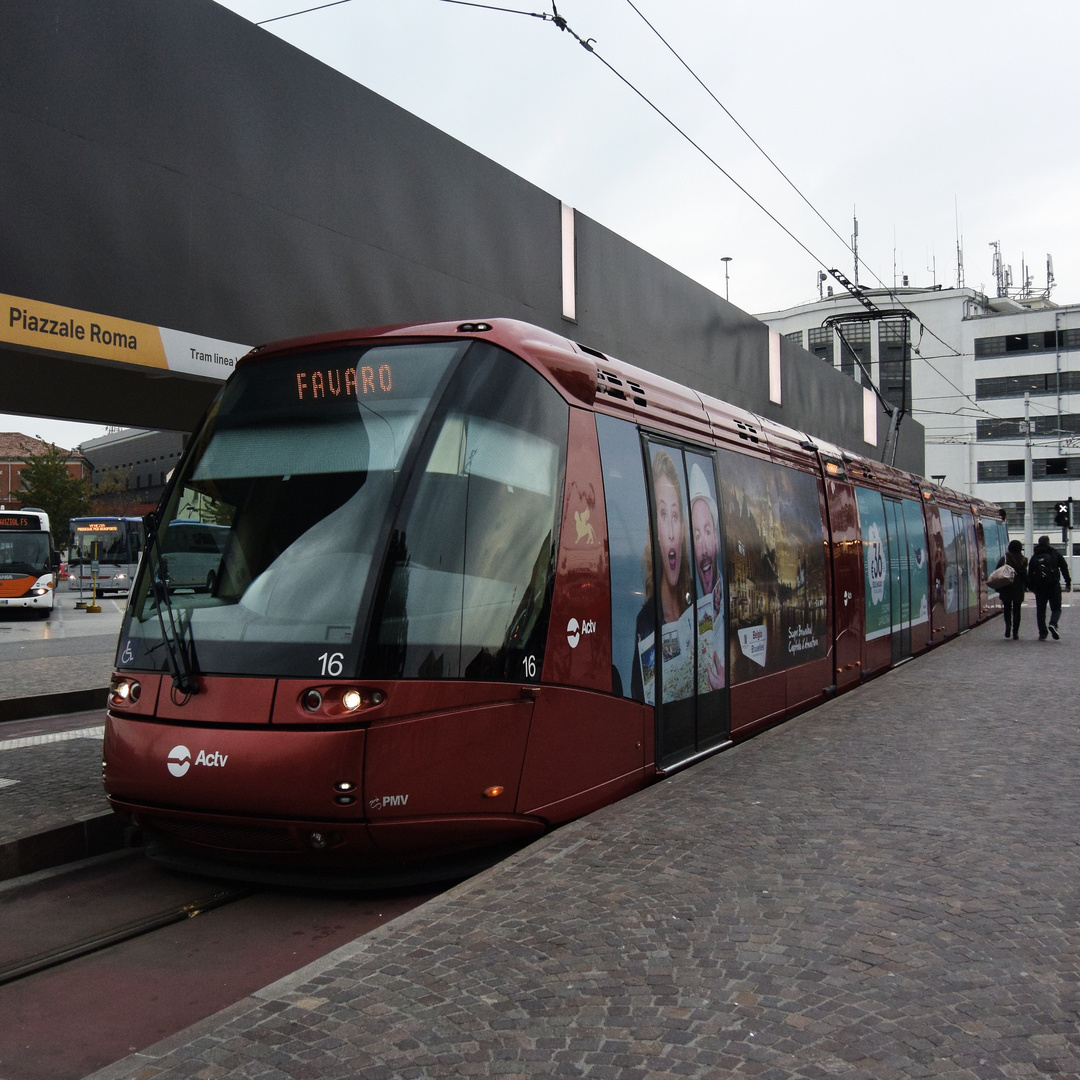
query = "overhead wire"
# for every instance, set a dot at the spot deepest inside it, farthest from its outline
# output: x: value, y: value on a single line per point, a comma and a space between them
x: 589, y: 44
x: 694, y: 75
x: 902, y: 307
x: 291, y: 14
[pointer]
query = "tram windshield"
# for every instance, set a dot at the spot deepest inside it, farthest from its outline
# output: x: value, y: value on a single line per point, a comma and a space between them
x: 406, y: 492
x: 290, y: 480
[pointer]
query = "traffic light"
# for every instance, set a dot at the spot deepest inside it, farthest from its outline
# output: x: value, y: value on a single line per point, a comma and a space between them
x: 1062, y: 516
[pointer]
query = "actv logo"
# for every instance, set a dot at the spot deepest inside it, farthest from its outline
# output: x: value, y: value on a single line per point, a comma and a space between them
x: 179, y: 760
x: 575, y: 631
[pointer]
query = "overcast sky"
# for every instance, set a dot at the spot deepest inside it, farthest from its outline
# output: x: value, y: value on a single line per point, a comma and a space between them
x: 929, y: 121
x: 923, y: 119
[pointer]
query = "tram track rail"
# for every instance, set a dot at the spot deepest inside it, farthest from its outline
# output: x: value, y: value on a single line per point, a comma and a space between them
x: 123, y: 922
x: 125, y: 932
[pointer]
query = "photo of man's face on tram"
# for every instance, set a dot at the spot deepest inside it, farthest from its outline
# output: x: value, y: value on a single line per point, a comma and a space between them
x: 686, y: 627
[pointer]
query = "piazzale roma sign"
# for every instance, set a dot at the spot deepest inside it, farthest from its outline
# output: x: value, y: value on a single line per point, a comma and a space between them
x: 37, y: 324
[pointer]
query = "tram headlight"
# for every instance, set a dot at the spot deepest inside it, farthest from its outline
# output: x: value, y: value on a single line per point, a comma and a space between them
x: 338, y: 702
x: 124, y: 691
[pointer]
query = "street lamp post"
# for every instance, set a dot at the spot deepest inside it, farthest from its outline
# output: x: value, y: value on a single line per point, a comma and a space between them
x: 1029, y: 512
x: 725, y: 259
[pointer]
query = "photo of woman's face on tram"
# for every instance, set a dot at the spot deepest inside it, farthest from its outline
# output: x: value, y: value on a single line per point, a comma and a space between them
x: 703, y: 520
x: 671, y: 538
x: 710, y: 627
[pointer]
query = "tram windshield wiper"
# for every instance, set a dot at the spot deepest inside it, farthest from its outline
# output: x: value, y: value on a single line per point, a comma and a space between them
x: 178, y: 638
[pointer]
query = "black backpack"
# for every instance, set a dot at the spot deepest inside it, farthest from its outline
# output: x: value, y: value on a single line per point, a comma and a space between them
x: 1042, y: 570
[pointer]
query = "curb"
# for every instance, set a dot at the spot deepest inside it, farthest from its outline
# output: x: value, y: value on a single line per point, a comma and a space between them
x: 65, y: 844
x: 69, y: 701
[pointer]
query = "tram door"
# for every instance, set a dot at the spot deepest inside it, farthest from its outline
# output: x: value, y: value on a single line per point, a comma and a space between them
x: 908, y: 574
x: 689, y: 603
x: 972, y: 597
x: 960, y: 547
x: 961, y: 565
x: 899, y: 579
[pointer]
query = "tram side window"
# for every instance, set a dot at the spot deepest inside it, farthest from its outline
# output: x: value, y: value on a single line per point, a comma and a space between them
x: 918, y: 561
x: 877, y: 597
x: 971, y: 561
x: 990, y: 540
x: 997, y: 540
x: 628, y: 539
x: 670, y: 582
x: 948, y: 539
x: 467, y: 587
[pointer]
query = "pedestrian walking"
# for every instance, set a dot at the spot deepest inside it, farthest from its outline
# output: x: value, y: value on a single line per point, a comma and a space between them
x: 1012, y: 596
x: 1044, y: 579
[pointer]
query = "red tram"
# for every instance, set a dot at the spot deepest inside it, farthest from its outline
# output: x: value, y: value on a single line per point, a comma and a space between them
x: 473, y: 580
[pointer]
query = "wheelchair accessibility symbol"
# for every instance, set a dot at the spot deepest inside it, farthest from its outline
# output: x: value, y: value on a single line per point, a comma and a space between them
x: 128, y: 654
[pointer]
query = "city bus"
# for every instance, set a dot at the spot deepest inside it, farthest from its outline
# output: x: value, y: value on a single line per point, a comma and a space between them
x: 191, y: 553
x: 27, y: 562
x: 113, y: 543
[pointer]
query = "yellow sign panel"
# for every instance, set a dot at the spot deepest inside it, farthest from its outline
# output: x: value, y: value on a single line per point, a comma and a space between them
x: 60, y: 329
x: 38, y: 325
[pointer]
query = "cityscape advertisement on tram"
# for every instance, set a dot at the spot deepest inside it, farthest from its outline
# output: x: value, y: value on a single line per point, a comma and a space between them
x: 27, y: 561
x: 105, y: 551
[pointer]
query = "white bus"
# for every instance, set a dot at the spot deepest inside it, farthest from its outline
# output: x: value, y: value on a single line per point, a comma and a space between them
x: 191, y: 552
x: 28, y: 563
x: 113, y: 544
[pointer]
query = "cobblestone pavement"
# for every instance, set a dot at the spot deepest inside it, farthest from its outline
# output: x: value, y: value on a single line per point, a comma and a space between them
x: 50, y: 780
x: 72, y: 650
x: 885, y: 887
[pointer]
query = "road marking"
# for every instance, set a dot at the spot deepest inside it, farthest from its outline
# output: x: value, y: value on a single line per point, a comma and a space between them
x: 57, y: 736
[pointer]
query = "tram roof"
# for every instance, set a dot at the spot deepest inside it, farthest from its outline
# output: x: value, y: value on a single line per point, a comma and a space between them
x: 591, y: 378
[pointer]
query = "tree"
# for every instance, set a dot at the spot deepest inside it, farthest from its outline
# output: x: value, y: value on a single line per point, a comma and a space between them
x: 48, y: 485
x: 110, y: 495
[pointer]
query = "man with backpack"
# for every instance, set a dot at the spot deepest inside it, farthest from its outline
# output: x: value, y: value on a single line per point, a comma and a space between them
x: 1044, y: 568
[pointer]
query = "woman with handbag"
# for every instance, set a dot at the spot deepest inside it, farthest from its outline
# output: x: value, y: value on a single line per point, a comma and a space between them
x: 1012, y: 596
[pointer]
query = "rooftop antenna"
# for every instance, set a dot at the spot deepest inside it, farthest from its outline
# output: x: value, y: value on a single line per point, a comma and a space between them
x: 999, y: 270
x: 855, y: 245
x: 822, y: 277
x: 1049, y: 273
x: 959, y: 247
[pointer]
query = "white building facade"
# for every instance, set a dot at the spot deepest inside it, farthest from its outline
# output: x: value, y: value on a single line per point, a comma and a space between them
x: 961, y: 363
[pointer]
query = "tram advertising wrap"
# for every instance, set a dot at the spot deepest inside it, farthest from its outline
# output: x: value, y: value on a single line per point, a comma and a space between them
x: 775, y: 554
x: 415, y: 594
